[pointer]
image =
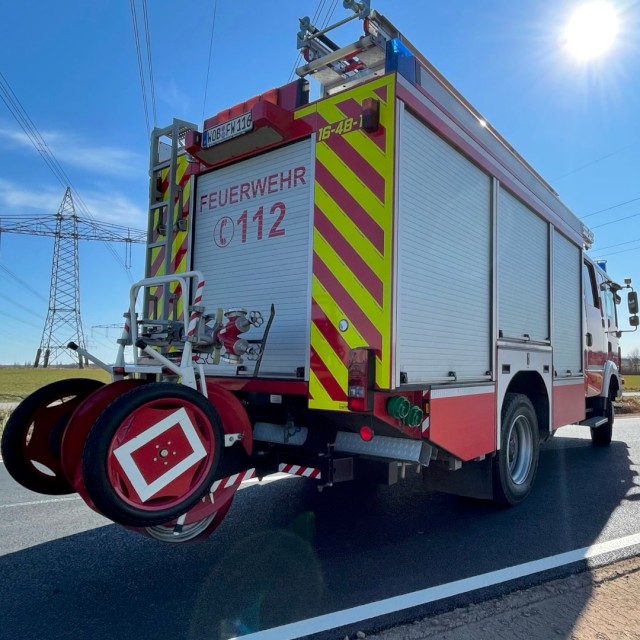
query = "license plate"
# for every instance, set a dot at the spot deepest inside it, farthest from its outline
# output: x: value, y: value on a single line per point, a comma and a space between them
x: 227, y: 130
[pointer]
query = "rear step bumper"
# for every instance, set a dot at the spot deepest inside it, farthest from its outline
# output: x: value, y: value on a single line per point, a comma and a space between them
x: 596, y: 421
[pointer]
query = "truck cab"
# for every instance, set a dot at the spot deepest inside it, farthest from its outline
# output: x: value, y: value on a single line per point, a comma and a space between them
x: 602, y: 350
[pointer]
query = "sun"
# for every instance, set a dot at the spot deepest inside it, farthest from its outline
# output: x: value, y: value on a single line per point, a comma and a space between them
x: 592, y: 30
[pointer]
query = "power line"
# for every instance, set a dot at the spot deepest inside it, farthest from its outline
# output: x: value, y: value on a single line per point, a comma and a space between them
x: 615, y: 206
x: 23, y: 119
x: 136, y: 38
x: 20, y: 281
x: 589, y: 164
x: 329, y: 14
x: 20, y: 320
x: 316, y: 15
x: 206, y: 83
x: 619, y: 244
x: 147, y: 35
x: 604, y: 224
x: 22, y: 306
x: 614, y: 253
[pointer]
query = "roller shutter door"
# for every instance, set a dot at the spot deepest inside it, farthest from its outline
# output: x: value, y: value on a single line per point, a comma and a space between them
x: 523, y: 272
x: 252, y: 241
x: 444, y: 259
x: 567, y: 307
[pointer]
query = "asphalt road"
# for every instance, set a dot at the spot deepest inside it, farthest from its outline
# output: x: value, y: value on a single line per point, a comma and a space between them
x: 286, y: 552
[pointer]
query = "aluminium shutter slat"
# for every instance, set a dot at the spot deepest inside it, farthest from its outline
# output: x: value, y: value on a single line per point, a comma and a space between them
x: 444, y: 262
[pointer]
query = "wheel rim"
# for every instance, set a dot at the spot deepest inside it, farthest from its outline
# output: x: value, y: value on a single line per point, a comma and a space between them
x: 199, y: 522
x: 160, y: 454
x: 519, y: 450
x: 169, y: 532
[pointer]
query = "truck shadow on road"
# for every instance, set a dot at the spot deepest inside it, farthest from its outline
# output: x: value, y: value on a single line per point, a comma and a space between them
x: 286, y: 552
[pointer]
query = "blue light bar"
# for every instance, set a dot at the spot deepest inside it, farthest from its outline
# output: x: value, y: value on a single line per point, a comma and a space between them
x: 400, y: 59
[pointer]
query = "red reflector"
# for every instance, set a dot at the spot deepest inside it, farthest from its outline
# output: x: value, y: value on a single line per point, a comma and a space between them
x: 366, y: 433
x: 118, y: 371
x: 356, y: 404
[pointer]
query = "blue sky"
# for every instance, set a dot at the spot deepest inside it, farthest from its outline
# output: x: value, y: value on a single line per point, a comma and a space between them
x: 73, y: 66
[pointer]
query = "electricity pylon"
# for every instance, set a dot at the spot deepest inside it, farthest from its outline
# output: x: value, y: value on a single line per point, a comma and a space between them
x: 63, y: 323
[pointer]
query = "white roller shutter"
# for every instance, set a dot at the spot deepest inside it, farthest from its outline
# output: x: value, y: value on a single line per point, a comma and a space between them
x: 567, y: 306
x: 444, y: 259
x: 252, y: 242
x: 523, y: 271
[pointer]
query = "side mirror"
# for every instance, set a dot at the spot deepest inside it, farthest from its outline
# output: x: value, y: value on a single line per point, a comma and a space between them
x: 633, y: 321
x: 632, y: 301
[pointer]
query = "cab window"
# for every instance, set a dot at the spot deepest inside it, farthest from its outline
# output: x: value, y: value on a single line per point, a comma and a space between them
x: 590, y: 287
x: 610, y: 307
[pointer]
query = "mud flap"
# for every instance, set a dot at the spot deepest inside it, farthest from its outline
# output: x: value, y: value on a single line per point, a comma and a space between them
x: 472, y: 480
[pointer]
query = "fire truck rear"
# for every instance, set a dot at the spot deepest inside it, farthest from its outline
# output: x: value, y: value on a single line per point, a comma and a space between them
x: 364, y: 286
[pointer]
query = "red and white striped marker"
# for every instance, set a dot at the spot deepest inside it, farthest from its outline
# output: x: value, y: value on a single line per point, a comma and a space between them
x: 193, y: 320
x: 231, y: 481
x: 296, y: 470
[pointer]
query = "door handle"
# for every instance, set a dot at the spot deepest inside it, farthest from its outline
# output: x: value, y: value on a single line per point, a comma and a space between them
x: 589, y: 340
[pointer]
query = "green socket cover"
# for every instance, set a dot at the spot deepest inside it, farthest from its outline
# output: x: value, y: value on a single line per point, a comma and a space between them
x: 398, y: 407
x: 414, y: 417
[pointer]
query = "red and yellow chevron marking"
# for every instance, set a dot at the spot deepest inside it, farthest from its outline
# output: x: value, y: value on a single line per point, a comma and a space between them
x: 157, y: 263
x: 352, y: 239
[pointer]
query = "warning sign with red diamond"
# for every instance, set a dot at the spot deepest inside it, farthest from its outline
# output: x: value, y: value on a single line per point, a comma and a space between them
x: 160, y: 454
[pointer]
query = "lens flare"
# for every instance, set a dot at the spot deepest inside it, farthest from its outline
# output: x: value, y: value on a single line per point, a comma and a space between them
x: 592, y: 30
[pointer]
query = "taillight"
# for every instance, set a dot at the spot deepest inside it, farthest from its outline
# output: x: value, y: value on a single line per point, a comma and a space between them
x: 370, y: 115
x: 366, y: 433
x: 361, y: 376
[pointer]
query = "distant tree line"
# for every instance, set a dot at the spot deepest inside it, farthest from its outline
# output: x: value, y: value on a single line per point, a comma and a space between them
x: 631, y: 363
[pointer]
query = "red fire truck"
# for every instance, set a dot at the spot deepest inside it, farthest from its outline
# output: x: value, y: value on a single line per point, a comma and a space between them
x: 350, y: 288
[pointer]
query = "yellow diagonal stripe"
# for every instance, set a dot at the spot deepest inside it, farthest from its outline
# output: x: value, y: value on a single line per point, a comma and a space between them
x: 352, y: 183
x: 321, y: 399
x: 347, y: 278
x: 349, y: 230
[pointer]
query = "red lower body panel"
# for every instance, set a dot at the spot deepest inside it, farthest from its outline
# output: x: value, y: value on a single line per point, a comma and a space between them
x: 463, y: 422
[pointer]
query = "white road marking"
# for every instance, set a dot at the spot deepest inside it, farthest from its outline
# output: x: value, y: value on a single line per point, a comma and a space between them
x: 245, y: 485
x: 432, y: 594
x: 34, y: 502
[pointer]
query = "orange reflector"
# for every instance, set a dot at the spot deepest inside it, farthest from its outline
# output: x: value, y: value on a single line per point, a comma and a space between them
x: 366, y: 433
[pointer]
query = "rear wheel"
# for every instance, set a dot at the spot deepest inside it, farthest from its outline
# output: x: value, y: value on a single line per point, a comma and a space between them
x: 516, y: 464
x: 601, y: 436
x: 33, y: 433
x: 152, y: 454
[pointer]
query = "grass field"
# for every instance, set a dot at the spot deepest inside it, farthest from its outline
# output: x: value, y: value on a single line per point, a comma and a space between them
x: 631, y: 383
x: 17, y: 383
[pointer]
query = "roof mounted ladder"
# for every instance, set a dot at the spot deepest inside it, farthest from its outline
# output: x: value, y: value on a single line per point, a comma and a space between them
x: 337, y: 68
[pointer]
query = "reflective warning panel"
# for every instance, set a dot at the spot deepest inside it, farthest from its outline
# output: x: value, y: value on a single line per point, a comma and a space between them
x: 352, y: 236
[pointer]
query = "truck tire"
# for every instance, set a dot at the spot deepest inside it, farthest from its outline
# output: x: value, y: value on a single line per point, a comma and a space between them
x: 601, y: 436
x: 516, y: 463
x: 33, y: 433
x: 125, y: 453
